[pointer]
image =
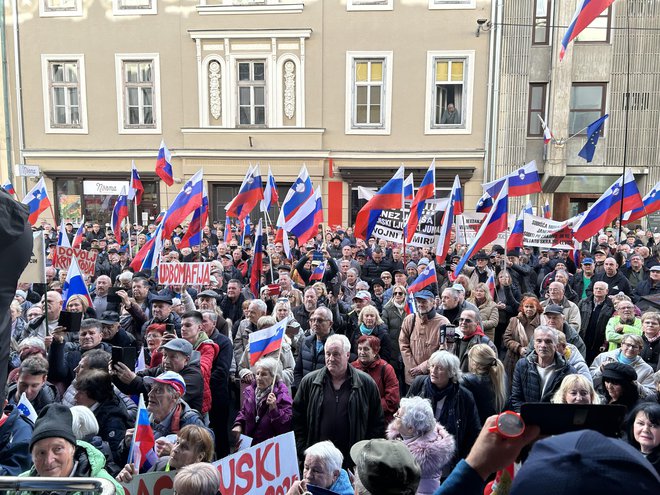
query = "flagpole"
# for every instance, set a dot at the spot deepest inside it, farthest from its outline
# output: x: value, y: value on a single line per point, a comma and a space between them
x: 625, y: 134
x: 272, y: 277
x: 403, y: 215
x: 279, y: 353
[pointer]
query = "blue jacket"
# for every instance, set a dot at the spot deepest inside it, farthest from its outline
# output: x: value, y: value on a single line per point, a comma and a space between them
x: 343, y: 485
x: 15, y: 435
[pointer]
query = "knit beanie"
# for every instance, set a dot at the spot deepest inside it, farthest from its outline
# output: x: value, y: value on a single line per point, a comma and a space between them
x: 54, y: 421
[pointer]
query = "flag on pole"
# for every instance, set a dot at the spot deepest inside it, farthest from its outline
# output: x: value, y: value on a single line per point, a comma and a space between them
x: 80, y: 233
x: 586, y: 12
x: 424, y: 279
x: 523, y: 181
x: 257, y: 261
x: 62, y: 238
x: 490, y: 283
x: 142, y: 452
x: 140, y: 362
x: 319, y: 272
x: 484, y: 204
x: 249, y: 194
x: 9, y: 187
x: 546, y: 210
x: 119, y: 214
x: 193, y: 236
x: 409, y: 187
x: 547, y: 133
x: 444, y: 239
x: 516, y: 238
x: 426, y: 191
x: 75, y: 284
x: 651, y: 205
x: 186, y: 202
x: 227, y: 233
x: 37, y: 200
x: 136, y: 189
x: 159, y: 218
x: 410, y: 308
x: 164, y: 164
x: 593, y: 134
x: 390, y: 197
x: 494, y: 223
x: 608, y: 206
x: 26, y: 409
x: 270, y: 192
x: 263, y: 342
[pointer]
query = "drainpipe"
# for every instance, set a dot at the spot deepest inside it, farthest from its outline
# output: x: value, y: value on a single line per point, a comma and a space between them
x: 5, y: 94
x: 19, y: 91
x: 492, y: 107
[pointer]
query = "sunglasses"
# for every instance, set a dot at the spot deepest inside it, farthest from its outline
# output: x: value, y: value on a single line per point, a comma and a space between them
x: 465, y: 320
x: 399, y: 293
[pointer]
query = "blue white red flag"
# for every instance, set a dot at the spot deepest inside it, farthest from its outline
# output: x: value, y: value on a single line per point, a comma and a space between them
x: 140, y: 362
x: 119, y: 214
x: 159, y: 218
x: 410, y: 308
x: 270, y: 192
x: 143, y: 447
x: 37, y: 200
x: 574, y: 254
x: 75, y: 284
x: 62, y: 238
x: 193, y: 236
x: 145, y: 257
x: 246, y: 230
x: 546, y: 210
x: 318, y: 216
x: 424, y: 279
x: 26, y: 409
x: 299, y: 211
x: 587, y: 11
x: 608, y: 206
x: 495, y: 222
x: 80, y: 233
x: 490, y: 283
x: 651, y: 205
x: 227, y: 232
x: 390, y: 197
x: 425, y: 192
x: 186, y: 202
x: 444, y: 239
x: 517, y: 236
x: 9, y: 187
x: 136, y: 189
x: 257, y: 261
x: 484, y: 204
x: 409, y: 188
x: 319, y: 272
x: 249, y: 194
x: 266, y: 341
x: 547, y: 133
x: 522, y: 181
x: 164, y: 164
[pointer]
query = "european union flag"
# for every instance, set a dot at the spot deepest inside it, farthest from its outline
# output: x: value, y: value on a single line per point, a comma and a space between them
x: 593, y: 133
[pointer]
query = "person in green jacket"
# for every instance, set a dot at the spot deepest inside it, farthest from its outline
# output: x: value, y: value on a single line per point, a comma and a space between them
x: 624, y: 323
x: 57, y: 454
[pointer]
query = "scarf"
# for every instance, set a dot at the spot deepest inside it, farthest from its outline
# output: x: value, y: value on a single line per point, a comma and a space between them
x: 201, y: 338
x: 402, y: 307
x: 259, y: 398
x: 650, y: 341
x: 478, y: 331
x: 623, y: 359
x: 448, y: 414
x: 364, y: 330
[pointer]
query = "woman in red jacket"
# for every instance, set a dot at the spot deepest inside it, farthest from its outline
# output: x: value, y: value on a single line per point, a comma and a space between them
x: 382, y: 373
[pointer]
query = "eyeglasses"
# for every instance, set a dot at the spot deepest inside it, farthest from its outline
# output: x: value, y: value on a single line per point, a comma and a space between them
x: 465, y: 320
x: 629, y: 346
x: 318, y: 320
x: 399, y: 293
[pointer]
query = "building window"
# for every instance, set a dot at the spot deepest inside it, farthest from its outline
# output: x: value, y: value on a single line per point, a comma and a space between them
x: 370, y: 95
x: 587, y: 105
x: 536, y: 109
x: 452, y: 4
x: 251, y: 92
x: 60, y: 8
x: 138, y: 93
x: 541, y: 33
x: 599, y: 29
x: 355, y: 5
x: 64, y: 94
x: 449, y: 94
x: 134, y: 7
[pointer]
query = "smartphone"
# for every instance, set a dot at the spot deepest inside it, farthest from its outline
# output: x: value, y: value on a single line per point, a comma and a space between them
x: 450, y: 334
x: 113, y: 299
x: 126, y: 355
x: 70, y: 320
x: 555, y: 419
x: 169, y: 328
x: 317, y: 256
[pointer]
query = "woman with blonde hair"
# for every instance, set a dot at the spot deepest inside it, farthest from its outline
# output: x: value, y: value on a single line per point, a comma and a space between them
x: 79, y: 304
x: 486, y: 380
x: 575, y: 389
x: 490, y: 316
x: 370, y: 323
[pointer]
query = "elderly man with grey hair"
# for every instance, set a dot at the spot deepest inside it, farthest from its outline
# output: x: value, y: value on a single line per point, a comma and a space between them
x: 322, y: 468
x: 337, y: 403
x: 256, y: 309
x: 311, y: 356
x: 539, y: 374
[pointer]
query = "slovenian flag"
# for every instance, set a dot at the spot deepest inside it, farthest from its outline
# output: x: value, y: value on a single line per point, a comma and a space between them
x: 270, y: 192
x: 424, y: 279
x: 266, y: 341
x: 136, y: 189
x: 80, y: 233
x: 9, y: 187
x: 410, y: 308
x: 37, y: 200
x: 249, y: 194
x: 75, y: 284
x: 523, y: 181
x: 318, y: 273
x: 143, y: 453
x: 164, y: 164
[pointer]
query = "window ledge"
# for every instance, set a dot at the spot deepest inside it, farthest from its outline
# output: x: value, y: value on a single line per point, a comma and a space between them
x: 472, y: 5
x: 292, y: 8
x: 252, y: 130
x: 449, y: 130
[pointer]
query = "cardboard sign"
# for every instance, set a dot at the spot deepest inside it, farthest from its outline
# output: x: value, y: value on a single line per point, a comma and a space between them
x: 467, y: 225
x: 86, y: 259
x: 158, y: 483
x: 269, y: 468
x: 35, y: 271
x: 184, y: 273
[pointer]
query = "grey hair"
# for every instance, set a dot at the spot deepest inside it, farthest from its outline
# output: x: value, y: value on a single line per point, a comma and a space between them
x: 259, y: 304
x: 637, y: 340
x: 266, y: 321
x: 84, y: 422
x: 656, y: 378
x: 201, y: 478
x: 271, y: 365
x: 213, y: 316
x: 547, y: 330
x: 32, y: 342
x: 418, y: 414
x: 453, y: 292
x: 328, y: 453
x: 362, y: 285
x: 351, y: 270
x: 336, y: 338
x: 326, y: 311
x: 449, y: 362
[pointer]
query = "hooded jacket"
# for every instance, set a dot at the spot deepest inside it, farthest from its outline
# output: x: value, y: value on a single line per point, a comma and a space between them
x: 15, y: 435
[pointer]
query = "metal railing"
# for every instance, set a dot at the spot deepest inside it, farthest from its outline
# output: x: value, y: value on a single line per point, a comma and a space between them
x: 42, y: 484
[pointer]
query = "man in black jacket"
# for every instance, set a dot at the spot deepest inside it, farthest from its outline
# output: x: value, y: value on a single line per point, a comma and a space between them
x: 378, y: 264
x: 311, y: 356
x: 596, y: 310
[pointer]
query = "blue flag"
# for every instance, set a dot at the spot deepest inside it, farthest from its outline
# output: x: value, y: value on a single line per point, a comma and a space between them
x: 593, y: 133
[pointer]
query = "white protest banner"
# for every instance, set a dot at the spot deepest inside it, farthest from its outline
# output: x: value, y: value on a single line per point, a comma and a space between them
x: 269, y: 468
x: 467, y: 225
x: 86, y: 259
x: 35, y: 271
x: 184, y: 273
x: 390, y: 225
x: 158, y: 483
x: 545, y: 233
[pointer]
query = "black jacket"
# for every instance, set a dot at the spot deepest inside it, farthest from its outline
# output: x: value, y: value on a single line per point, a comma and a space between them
x: 63, y: 359
x: 47, y: 395
x: 383, y: 335
x: 594, y: 339
x: 372, y: 270
x: 484, y: 395
x: 617, y: 283
x: 113, y: 421
x: 308, y: 359
x: 651, y: 353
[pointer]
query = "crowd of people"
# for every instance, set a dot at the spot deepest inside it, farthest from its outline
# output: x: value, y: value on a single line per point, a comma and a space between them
x: 381, y: 399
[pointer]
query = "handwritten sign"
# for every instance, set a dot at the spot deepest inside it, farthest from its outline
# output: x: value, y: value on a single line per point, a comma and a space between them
x: 35, y: 271
x: 157, y: 483
x: 86, y: 259
x: 184, y: 273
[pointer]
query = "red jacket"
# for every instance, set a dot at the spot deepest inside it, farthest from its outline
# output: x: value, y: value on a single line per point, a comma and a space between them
x: 388, y: 385
x: 208, y: 350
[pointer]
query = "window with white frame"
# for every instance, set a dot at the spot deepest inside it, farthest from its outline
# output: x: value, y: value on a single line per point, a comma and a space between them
x: 251, y: 85
x: 449, y: 95
x: 64, y: 8
x: 138, y: 93
x: 355, y: 5
x: 134, y: 7
x: 64, y: 94
x: 370, y: 92
x: 452, y: 4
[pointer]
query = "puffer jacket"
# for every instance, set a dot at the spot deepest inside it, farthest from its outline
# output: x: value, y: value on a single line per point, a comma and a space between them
x: 47, y: 395
x: 309, y: 359
x: 208, y: 350
x: 527, y: 382
x: 432, y: 451
x: 89, y: 462
x: 388, y: 386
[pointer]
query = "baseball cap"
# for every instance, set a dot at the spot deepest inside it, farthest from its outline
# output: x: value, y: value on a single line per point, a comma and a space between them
x: 588, y: 261
x: 386, y: 467
x: 458, y: 287
x: 179, y: 345
x: 362, y: 295
x: 170, y: 378
x: 424, y: 294
x: 655, y: 268
x: 423, y: 261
